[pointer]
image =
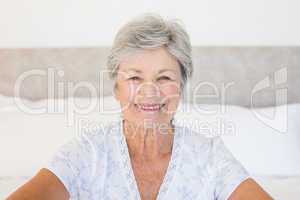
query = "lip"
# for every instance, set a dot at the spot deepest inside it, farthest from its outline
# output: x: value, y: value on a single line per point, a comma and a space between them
x: 149, y: 107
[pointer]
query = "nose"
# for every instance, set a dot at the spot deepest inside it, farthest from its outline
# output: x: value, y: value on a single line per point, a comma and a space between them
x: 149, y: 89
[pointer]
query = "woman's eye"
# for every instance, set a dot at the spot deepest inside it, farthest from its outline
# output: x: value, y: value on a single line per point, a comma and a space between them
x: 164, y: 78
x: 134, y: 78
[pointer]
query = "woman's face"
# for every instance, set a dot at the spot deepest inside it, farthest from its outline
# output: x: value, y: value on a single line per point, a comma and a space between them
x: 148, y: 87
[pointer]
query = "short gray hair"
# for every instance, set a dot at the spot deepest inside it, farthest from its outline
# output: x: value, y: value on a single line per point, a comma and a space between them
x: 150, y: 31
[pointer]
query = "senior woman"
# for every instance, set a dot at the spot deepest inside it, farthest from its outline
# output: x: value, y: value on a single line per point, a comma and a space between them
x: 145, y: 155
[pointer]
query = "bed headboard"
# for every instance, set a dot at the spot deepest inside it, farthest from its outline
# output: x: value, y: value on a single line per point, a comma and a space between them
x: 221, y: 74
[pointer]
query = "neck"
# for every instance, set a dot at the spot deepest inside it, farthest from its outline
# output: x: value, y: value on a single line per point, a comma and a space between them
x: 148, y: 142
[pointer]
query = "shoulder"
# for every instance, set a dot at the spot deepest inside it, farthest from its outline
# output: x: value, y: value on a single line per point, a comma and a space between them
x: 216, y: 160
x: 88, y: 144
x: 76, y: 162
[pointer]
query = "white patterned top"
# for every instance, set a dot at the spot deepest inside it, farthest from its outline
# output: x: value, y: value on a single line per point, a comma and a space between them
x: 96, y: 165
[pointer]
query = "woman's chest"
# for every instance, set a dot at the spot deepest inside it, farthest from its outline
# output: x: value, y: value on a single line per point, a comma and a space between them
x: 185, y: 182
x: 149, y: 177
x: 179, y: 177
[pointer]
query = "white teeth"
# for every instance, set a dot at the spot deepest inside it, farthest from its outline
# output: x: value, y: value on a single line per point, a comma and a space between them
x: 150, y: 107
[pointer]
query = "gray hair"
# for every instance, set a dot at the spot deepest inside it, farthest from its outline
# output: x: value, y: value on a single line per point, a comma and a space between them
x: 150, y: 31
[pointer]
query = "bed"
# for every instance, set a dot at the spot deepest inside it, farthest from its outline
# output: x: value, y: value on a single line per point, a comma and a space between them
x: 248, y: 95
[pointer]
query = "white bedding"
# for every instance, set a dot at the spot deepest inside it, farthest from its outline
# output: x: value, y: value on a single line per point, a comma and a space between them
x: 10, y: 184
x: 281, y: 188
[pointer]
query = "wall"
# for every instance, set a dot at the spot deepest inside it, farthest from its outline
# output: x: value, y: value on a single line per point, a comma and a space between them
x: 64, y: 23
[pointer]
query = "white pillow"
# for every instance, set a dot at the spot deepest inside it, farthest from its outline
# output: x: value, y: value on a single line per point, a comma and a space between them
x: 6, y: 102
x: 280, y: 187
x: 261, y: 149
x: 27, y: 141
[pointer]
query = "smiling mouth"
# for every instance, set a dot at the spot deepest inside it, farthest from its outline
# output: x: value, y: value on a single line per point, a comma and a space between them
x: 150, y: 107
